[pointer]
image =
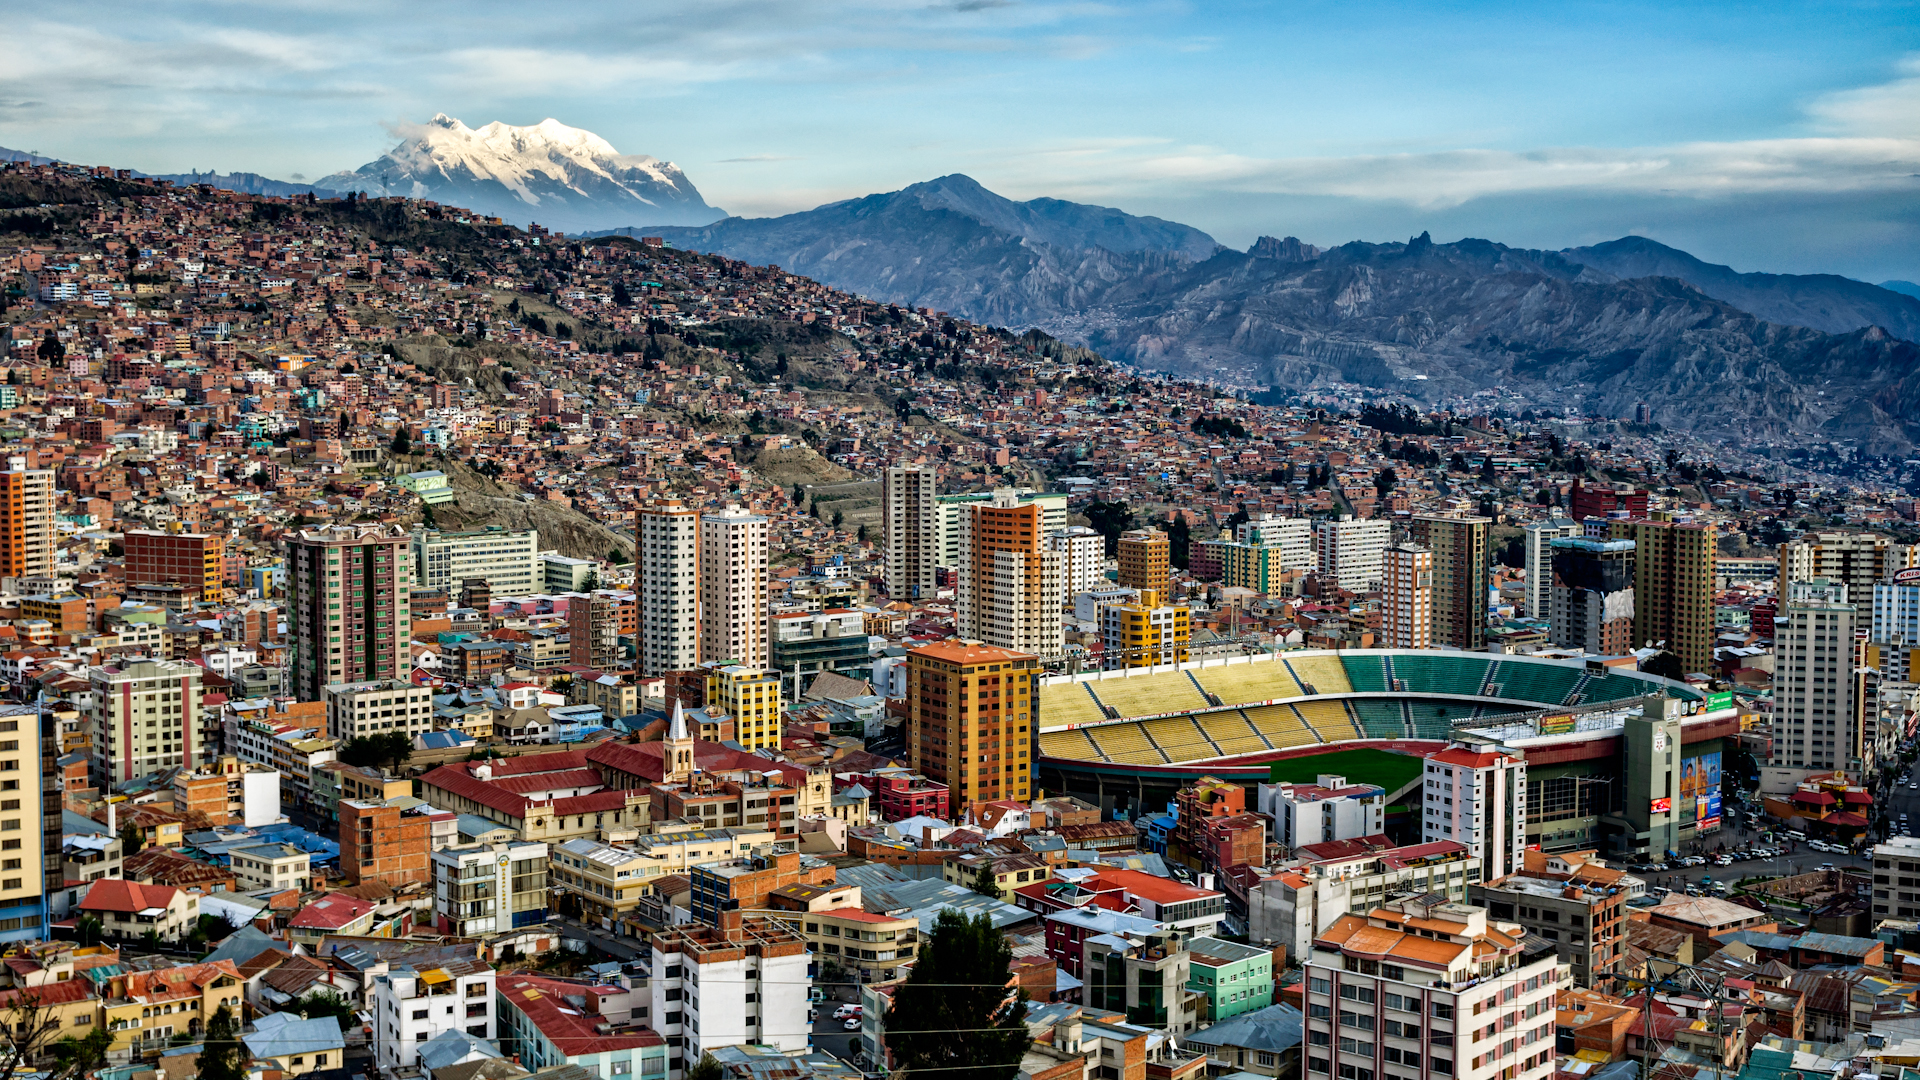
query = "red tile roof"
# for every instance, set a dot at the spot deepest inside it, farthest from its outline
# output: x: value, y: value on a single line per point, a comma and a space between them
x: 114, y: 894
x: 330, y: 912
x: 572, y: 1033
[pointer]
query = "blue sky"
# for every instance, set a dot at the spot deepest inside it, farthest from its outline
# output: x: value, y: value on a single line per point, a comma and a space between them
x: 1776, y: 136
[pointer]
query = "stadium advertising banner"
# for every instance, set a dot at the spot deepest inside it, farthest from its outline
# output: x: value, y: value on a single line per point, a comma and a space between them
x: 1558, y: 724
x: 1700, y: 788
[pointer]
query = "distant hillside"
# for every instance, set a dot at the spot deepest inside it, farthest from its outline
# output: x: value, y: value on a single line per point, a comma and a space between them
x: 1906, y: 288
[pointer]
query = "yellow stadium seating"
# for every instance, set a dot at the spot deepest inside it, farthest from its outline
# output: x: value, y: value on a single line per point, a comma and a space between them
x: 1068, y: 703
x: 1068, y: 744
x: 1145, y: 695
x: 1331, y: 720
x: 1126, y: 743
x: 1323, y: 671
x: 1235, y: 733
x: 1181, y: 738
x: 1282, y: 726
x: 1237, y: 684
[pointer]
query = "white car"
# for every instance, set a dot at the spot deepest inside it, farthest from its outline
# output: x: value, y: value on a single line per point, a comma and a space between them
x: 846, y: 1012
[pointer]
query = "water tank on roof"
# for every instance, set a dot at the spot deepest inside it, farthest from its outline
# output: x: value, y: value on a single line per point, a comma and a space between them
x: 482, y: 771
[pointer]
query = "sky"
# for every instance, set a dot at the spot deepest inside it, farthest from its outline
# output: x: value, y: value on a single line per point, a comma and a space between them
x: 1775, y: 136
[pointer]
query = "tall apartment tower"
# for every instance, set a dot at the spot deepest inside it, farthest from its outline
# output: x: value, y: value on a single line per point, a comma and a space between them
x: 1819, y: 693
x: 1144, y: 562
x: 1351, y: 552
x: 1083, y: 560
x: 26, y: 520
x: 1539, y: 556
x: 1009, y: 581
x: 1896, y: 626
x: 1293, y: 536
x: 1478, y: 797
x: 175, y: 558
x: 669, y: 588
x: 733, y: 587
x: 1590, y: 601
x: 971, y: 719
x: 1459, y: 546
x: 593, y: 632
x: 349, y: 586
x: 144, y: 717
x: 1672, y: 586
x: 912, y: 527
x: 29, y: 808
x: 1406, y: 612
x: 1858, y: 560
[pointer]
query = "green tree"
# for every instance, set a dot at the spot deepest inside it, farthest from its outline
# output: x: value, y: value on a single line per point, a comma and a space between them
x: 132, y: 838
x: 82, y: 1056
x: 402, y: 443
x: 1179, y: 542
x: 616, y: 556
x: 51, y: 351
x: 984, y: 882
x: 1385, y: 480
x: 222, y: 1057
x: 956, y: 1012
x: 1110, y: 519
x: 88, y: 930
x: 327, y: 1003
x: 592, y: 582
x: 705, y: 1069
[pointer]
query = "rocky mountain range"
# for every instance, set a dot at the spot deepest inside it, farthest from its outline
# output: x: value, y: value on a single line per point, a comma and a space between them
x: 562, y: 177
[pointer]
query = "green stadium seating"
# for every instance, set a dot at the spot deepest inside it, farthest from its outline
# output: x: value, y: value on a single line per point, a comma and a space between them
x: 1545, y: 684
x: 1440, y: 673
x: 1326, y: 674
x: 1435, y: 720
x: 1380, y: 719
x: 1367, y: 671
x: 1237, y: 684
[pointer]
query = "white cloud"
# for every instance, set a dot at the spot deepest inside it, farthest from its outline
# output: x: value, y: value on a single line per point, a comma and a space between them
x: 1890, y: 108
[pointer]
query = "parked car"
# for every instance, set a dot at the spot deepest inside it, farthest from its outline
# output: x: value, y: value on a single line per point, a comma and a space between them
x: 1826, y: 866
x: 852, y: 1023
x: 846, y: 1011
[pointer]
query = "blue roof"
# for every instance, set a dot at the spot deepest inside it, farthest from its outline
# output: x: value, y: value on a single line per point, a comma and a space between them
x: 1276, y: 1027
x: 281, y: 1034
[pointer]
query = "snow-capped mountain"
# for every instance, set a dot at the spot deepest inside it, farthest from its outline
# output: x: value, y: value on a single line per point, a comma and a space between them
x: 562, y: 177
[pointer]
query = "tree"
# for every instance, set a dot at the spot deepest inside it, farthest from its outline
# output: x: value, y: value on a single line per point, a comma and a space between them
x: 31, y: 1029
x: 402, y: 444
x: 222, y: 1057
x: 984, y: 882
x: 1179, y: 542
x: 617, y: 557
x: 88, y: 930
x: 326, y: 1003
x: 1110, y: 519
x: 955, y: 1013
x: 592, y: 582
x: 621, y: 297
x: 1385, y: 480
x: 82, y: 1056
x: 373, y: 751
x: 132, y: 838
x: 705, y: 1069
x: 50, y: 350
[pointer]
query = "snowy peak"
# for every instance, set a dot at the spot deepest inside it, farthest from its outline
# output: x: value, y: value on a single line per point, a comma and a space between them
x: 564, y: 177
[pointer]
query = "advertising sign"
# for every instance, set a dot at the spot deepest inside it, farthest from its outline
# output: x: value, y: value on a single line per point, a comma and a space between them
x: 1721, y: 700
x: 1700, y: 785
x: 1558, y: 724
x: 1662, y: 806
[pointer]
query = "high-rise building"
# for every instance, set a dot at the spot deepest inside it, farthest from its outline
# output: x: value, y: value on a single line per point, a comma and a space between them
x: 1260, y: 567
x: 1351, y: 552
x: 1478, y: 797
x: 1539, y: 556
x: 1895, y: 632
x: 971, y: 719
x: 26, y: 520
x: 175, y: 558
x: 508, y: 560
x: 1146, y: 632
x: 350, y: 586
x: 912, y: 530
x: 593, y: 631
x: 1143, y: 560
x: 1858, y: 560
x: 1459, y: 546
x: 1672, y: 586
x: 1293, y: 536
x: 749, y: 977
x: 750, y: 695
x: 144, y: 716
x: 733, y: 587
x: 30, y: 829
x: 1009, y: 582
x: 955, y: 511
x: 1590, y: 598
x: 669, y: 588
x: 1819, y: 685
x: 1083, y: 561
x: 1585, y: 502
x: 1406, y: 608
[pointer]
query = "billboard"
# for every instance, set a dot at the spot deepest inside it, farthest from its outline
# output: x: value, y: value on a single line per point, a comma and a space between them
x: 1700, y: 786
x: 1558, y: 724
x: 1661, y: 806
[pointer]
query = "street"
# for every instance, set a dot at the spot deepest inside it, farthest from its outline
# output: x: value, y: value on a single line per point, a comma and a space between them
x: 828, y: 1036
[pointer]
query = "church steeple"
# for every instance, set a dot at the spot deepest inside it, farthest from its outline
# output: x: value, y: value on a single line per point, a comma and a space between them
x: 679, y: 746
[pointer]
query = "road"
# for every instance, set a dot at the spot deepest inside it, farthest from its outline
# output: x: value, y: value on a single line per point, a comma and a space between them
x: 828, y: 1036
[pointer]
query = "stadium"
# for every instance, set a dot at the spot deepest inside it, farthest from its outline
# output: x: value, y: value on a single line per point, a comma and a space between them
x: 1127, y: 739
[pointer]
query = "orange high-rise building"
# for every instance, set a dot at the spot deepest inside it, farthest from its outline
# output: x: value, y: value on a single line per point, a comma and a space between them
x: 971, y: 719
x: 1144, y: 555
x: 1009, y: 580
x: 26, y: 520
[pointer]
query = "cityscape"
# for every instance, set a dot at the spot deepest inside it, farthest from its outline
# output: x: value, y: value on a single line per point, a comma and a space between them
x: 489, y: 613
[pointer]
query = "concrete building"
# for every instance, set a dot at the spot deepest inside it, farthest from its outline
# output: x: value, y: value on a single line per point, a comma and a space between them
x: 1590, y: 598
x: 593, y: 631
x: 1582, y: 917
x: 563, y: 574
x: 230, y: 791
x: 377, y: 707
x: 878, y: 946
x: 742, y: 981
x: 1143, y: 558
x: 956, y: 510
x: 971, y: 719
x: 418, y: 999
x: 1327, y: 809
x: 911, y: 530
x: 733, y: 587
x: 1145, y: 633
x: 31, y: 833
x: 1385, y: 988
x: 1478, y: 798
x: 1292, y: 536
x: 1294, y: 905
x: 1460, y: 597
x: 1009, y: 582
x: 1144, y: 979
x: 481, y: 889
x: 1895, y: 628
x: 175, y: 558
x: 668, y: 583
x: 350, y: 619
x: 809, y: 642
x: 1230, y: 978
x: 1673, y: 586
x: 1858, y: 560
x: 751, y: 695
x: 271, y: 866
x: 547, y: 1033
x: 508, y: 560
x: 605, y: 882
x: 1540, y: 536
x: 27, y: 502
x: 1351, y: 552
x: 1896, y: 878
x: 1819, y: 685
x: 143, y: 716
x: 1083, y: 561
x: 1406, y: 602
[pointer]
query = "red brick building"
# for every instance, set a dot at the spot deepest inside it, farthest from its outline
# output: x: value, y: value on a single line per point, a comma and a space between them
x: 379, y: 843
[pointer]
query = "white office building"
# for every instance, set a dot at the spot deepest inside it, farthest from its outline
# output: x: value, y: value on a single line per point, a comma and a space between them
x: 1083, y: 566
x: 1293, y: 536
x: 1817, y: 681
x: 733, y: 587
x: 415, y: 1001
x: 1539, y: 556
x: 1352, y: 552
x: 1327, y: 809
x: 481, y: 889
x: 1478, y: 798
x: 508, y: 560
x: 668, y: 585
x: 911, y: 530
x: 744, y: 981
